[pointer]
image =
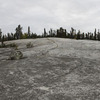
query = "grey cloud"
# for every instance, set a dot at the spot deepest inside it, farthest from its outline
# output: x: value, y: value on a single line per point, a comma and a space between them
x: 37, y: 14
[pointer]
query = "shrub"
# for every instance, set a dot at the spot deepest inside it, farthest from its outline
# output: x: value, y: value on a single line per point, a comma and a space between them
x: 3, y: 46
x: 29, y: 45
x: 9, y: 45
x: 14, y: 45
x: 15, y: 55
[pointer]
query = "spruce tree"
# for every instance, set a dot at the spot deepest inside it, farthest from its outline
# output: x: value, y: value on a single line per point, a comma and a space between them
x: 0, y: 34
x: 8, y: 35
x: 72, y: 32
x: 1, y: 38
x: 51, y: 33
x: 45, y: 33
x: 95, y: 34
x: 18, y: 32
x: 29, y: 32
x: 98, y: 35
x: 83, y: 35
x: 78, y: 35
x: 12, y: 36
x: 91, y: 36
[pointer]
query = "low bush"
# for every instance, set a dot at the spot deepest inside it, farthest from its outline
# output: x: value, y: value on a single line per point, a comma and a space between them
x: 15, y: 55
x: 3, y: 46
x: 14, y: 45
x: 29, y: 45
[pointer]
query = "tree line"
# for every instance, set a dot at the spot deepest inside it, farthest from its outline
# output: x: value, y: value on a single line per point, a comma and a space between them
x: 61, y: 33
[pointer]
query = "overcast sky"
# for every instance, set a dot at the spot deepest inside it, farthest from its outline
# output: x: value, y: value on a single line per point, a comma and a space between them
x: 40, y: 14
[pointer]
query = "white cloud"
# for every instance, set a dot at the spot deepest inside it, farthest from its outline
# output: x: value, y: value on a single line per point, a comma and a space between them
x: 40, y: 14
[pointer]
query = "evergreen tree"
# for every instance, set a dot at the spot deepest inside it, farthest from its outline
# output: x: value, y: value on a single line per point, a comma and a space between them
x: 91, y: 36
x: 12, y: 36
x: 95, y: 35
x: 86, y: 36
x: 8, y: 35
x: 0, y: 35
x: 54, y: 33
x: 83, y: 35
x: 98, y: 35
x: 33, y: 35
x: 45, y: 33
x: 61, y: 33
x: 29, y: 32
x: 18, y: 32
x: 78, y: 35
x: 72, y: 32
x: 1, y: 38
x: 51, y: 33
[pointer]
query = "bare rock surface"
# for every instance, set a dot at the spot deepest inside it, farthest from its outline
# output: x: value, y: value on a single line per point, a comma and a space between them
x: 53, y: 69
